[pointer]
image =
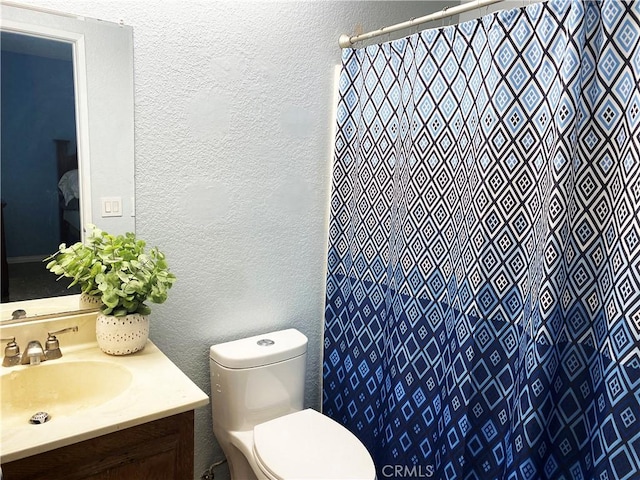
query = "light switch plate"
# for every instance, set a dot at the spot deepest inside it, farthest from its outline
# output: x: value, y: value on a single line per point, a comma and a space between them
x: 111, y: 206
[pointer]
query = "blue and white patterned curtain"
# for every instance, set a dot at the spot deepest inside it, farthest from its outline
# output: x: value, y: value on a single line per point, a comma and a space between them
x: 483, y: 295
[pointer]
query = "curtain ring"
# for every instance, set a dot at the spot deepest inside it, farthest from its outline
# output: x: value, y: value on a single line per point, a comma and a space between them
x: 415, y: 31
x: 444, y: 15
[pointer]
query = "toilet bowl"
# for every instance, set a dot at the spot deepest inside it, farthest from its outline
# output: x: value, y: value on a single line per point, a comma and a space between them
x: 257, y: 392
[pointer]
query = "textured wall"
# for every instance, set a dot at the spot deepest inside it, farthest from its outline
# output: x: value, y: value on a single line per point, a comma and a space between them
x: 503, y: 5
x: 234, y: 114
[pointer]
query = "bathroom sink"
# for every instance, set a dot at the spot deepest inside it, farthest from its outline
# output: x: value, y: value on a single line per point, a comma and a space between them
x: 86, y: 393
x: 60, y: 389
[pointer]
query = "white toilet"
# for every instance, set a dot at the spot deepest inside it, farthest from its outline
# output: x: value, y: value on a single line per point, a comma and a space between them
x: 257, y: 391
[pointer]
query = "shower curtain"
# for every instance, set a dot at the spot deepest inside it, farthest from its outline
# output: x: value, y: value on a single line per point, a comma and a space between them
x: 483, y: 291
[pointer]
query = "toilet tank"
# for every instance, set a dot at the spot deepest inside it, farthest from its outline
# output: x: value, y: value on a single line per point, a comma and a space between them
x: 257, y: 379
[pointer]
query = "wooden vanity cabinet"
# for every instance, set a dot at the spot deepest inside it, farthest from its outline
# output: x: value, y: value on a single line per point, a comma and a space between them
x: 157, y: 450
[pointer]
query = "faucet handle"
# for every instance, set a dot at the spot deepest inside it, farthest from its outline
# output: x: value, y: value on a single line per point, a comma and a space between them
x: 52, y: 346
x: 64, y: 330
x: 11, y: 352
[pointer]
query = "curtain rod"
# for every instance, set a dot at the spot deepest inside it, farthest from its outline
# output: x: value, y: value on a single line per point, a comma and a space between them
x: 346, y: 41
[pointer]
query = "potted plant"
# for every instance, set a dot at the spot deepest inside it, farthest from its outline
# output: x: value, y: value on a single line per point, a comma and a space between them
x: 123, y: 274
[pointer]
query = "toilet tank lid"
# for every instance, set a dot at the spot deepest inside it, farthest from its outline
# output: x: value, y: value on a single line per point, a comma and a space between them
x: 260, y: 350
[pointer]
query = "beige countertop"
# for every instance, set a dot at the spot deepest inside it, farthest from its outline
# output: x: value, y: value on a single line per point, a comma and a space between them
x: 155, y: 389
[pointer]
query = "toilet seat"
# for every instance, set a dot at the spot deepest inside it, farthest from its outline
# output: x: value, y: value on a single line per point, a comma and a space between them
x: 309, y: 445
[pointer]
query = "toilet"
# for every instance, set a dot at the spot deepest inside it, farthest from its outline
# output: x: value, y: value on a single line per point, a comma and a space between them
x: 257, y: 393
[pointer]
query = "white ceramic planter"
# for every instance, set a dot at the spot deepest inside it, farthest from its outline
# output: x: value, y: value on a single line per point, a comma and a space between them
x: 89, y: 302
x: 122, y: 335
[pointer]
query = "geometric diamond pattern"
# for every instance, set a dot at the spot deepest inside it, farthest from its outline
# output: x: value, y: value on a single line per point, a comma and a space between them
x: 483, y: 290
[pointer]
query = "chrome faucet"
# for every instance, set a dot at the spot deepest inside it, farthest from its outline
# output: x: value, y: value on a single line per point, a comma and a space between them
x: 34, y: 353
x: 52, y: 345
x: 12, y: 355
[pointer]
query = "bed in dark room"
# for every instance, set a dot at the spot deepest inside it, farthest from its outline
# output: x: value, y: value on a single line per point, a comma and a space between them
x: 68, y: 193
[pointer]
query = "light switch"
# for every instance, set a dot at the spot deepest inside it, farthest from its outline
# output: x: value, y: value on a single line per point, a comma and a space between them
x: 111, y: 206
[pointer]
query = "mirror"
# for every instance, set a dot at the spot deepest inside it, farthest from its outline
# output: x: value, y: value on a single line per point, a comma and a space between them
x: 72, y: 168
x: 38, y: 132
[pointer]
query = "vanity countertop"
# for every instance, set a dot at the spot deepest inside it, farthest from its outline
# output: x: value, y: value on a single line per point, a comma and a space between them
x: 157, y: 389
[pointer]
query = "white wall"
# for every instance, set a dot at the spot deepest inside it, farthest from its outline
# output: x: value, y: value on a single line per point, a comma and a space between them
x: 233, y: 121
x: 503, y: 5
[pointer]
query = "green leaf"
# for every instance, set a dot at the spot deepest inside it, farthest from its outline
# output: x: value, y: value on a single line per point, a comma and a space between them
x: 144, y: 310
x: 116, y: 267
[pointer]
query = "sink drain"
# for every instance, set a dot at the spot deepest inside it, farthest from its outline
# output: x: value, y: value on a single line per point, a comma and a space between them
x: 40, y: 417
